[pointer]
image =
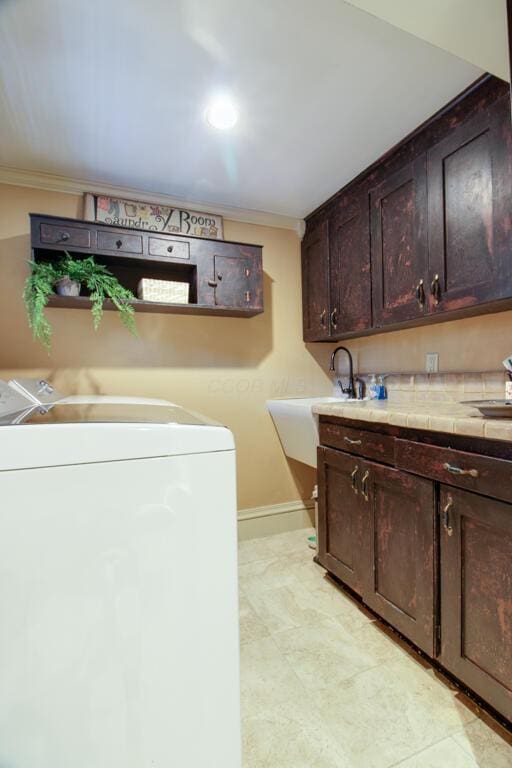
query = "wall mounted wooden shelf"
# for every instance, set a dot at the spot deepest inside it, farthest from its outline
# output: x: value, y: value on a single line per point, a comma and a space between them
x: 225, y: 278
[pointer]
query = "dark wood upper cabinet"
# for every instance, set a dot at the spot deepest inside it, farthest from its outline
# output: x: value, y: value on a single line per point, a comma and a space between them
x: 349, y: 265
x: 399, y: 244
x: 469, y: 211
x: 315, y: 283
x: 436, y: 214
x: 476, y: 594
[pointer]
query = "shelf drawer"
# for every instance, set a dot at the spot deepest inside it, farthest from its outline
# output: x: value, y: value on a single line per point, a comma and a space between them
x: 481, y: 474
x: 120, y: 242
x: 362, y: 442
x: 54, y: 234
x: 173, y: 249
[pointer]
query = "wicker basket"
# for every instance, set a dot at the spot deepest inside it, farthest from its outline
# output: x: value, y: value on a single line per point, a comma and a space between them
x: 165, y: 291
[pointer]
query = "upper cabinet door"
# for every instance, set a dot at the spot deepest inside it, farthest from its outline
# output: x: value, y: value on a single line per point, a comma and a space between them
x: 399, y: 245
x: 315, y: 283
x: 349, y: 256
x: 470, y: 203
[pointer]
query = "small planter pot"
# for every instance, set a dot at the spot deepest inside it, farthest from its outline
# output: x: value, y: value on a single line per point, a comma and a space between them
x: 67, y: 287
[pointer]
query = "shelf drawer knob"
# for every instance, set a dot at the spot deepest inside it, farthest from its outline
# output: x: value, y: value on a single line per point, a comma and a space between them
x: 119, y: 243
x: 170, y: 248
x: 65, y: 236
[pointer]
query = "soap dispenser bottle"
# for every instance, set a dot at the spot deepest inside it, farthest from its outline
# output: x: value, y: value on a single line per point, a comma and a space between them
x: 373, y: 388
x: 381, y: 389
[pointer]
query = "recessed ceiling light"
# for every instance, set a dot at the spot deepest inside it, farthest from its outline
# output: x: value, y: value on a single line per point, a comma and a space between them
x: 221, y: 113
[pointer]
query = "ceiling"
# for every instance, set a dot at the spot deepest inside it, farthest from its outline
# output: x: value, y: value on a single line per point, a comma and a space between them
x: 115, y: 92
x: 475, y: 30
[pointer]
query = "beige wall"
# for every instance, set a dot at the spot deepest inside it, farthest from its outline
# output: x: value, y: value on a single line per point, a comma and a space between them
x: 223, y: 367
x: 474, y: 344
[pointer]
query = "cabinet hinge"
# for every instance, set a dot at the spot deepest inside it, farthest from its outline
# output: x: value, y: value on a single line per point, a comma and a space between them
x: 247, y: 271
x: 247, y: 296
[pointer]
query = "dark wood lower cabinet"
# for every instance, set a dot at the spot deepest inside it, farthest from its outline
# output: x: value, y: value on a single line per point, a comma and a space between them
x: 432, y: 559
x: 476, y: 594
x: 343, y: 529
x: 401, y: 524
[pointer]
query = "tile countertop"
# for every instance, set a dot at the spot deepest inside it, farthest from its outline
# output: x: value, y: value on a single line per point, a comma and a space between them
x: 453, y: 417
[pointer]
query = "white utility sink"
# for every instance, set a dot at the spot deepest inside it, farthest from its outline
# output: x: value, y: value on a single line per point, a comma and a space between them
x: 297, y: 426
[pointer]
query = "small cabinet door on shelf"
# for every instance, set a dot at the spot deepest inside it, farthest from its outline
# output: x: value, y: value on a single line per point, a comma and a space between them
x: 469, y: 211
x: 315, y: 283
x: 399, y: 245
x: 402, y: 567
x: 349, y: 265
x: 342, y: 521
x: 233, y: 281
x: 476, y: 594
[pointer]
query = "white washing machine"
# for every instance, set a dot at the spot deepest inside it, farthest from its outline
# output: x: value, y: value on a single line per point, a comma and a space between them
x: 118, y: 584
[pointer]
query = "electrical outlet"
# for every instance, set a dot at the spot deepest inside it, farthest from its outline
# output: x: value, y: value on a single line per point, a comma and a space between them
x: 432, y: 362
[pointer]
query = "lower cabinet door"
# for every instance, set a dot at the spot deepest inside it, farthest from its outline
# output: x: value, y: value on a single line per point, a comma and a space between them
x: 342, y: 517
x: 476, y: 594
x: 402, y: 567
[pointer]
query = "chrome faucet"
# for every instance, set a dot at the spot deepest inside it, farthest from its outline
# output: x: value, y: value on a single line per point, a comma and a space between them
x: 350, y: 390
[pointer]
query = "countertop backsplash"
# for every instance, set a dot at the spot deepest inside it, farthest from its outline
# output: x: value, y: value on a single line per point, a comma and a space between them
x: 440, y: 387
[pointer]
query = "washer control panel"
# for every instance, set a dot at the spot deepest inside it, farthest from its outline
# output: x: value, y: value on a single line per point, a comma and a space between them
x: 12, y: 401
x: 38, y: 391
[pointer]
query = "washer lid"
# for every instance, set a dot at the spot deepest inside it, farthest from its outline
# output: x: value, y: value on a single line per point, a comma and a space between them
x: 88, y: 432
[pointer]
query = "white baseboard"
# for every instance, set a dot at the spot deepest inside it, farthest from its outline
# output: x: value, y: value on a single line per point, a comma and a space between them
x: 276, y: 518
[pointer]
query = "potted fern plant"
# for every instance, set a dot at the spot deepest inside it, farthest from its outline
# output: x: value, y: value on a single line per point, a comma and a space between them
x: 69, y: 275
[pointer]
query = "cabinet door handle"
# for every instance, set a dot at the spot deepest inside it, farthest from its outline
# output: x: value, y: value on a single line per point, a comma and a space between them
x: 334, y: 318
x: 322, y: 318
x: 352, y: 442
x: 364, y: 485
x: 445, y: 516
x: 212, y: 283
x: 459, y: 471
x: 65, y: 236
x: 353, y: 479
x: 435, y: 289
x: 420, y: 294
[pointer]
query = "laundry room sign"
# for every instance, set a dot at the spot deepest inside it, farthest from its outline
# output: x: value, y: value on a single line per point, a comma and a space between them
x: 159, y: 218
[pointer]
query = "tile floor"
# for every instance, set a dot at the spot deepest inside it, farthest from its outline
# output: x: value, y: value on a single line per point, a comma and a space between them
x: 323, y: 686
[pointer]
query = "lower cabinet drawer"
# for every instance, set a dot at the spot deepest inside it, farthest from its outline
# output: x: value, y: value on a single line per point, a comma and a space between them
x: 481, y: 474
x: 119, y: 241
x: 361, y: 442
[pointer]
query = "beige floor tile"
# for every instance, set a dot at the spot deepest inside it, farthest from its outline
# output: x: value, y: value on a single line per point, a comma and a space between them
x: 260, y: 575
x: 445, y: 754
x: 289, y: 738
x: 390, y: 713
x: 325, y: 654
x: 291, y: 606
x: 294, y: 541
x: 254, y: 549
x: 251, y: 626
x: 267, y: 680
x: 486, y: 747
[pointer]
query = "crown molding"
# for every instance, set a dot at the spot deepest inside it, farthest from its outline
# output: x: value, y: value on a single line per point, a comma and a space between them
x: 53, y: 183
